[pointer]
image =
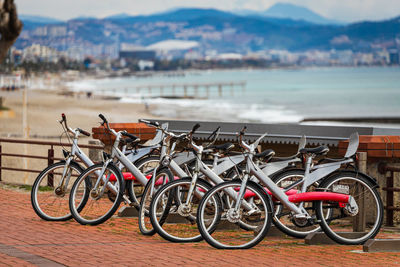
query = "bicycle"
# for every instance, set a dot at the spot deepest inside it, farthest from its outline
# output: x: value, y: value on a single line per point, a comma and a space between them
x: 172, y: 160
x: 104, y: 184
x: 49, y: 197
x: 58, y: 176
x: 211, y: 175
x: 328, y: 203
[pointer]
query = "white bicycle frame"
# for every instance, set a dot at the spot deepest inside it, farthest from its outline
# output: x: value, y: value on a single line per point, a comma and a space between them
x: 320, y: 171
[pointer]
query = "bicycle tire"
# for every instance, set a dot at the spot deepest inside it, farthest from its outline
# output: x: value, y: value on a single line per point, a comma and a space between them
x: 290, y: 228
x: 334, y: 231
x: 158, y: 225
x: 133, y: 196
x: 207, y: 232
x: 144, y: 208
x: 36, y: 187
x: 84, y: 177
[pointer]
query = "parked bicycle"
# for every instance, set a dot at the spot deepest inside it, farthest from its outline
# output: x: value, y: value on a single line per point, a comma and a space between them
x: 51, y: 189
x: 336, y: 203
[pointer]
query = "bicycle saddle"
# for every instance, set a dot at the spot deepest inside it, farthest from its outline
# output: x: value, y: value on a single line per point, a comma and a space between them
x: 224, y: 147
x: 267, y: 154
x: 321, y: 150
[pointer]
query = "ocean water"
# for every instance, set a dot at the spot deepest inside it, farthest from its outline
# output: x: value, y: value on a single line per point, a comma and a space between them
x: 271, y: 96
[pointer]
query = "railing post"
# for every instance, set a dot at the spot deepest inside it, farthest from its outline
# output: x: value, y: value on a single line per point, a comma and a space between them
x: 389, y: 199
x: 0, y: 162
x: 360, y: 219
x: 185, y: 94
x: 50, y: 160
x: 95, y: 155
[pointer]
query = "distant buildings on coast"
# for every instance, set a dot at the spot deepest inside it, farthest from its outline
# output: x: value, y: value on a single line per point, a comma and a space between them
x: 169, y: 50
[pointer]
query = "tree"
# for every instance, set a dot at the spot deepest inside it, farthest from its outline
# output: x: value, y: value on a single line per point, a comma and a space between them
x: 10, y: 26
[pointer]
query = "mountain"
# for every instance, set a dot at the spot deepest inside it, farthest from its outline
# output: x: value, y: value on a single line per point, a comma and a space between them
x: 286, y: 10
x: 119, y: 16
x: 38, y: 19
x: 83, y: 17
x: 214, y: 30
x: 182, y: 14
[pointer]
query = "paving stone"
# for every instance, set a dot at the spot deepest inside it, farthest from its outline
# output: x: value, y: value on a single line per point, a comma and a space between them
x: 27, y: 240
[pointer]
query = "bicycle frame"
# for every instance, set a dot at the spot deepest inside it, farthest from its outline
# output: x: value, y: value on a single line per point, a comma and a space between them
x: 309, y: 178
x: 75, y: 151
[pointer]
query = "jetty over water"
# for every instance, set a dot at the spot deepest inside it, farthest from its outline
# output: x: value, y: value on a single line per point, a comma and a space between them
x: 182, y: 90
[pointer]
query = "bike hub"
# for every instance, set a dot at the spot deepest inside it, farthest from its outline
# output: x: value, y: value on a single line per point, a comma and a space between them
x: 95, y: 194
x: 351, y: 208
x: 59, y: 191
x: 233, y: 215
x: 300, y: 222
x: 184, y: 210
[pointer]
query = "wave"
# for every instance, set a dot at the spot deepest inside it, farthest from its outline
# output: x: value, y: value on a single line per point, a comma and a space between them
x: 216, y: 110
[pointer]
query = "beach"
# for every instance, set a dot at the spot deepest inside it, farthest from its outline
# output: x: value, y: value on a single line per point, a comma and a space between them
x: 46, y: 107
x: 44, y: 111
x: 270, y: 96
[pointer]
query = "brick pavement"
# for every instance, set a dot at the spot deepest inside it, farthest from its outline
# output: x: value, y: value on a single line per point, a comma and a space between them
x: 25, y: 239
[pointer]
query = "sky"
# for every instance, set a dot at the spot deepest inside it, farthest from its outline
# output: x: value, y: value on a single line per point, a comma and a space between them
x: 345, y: 10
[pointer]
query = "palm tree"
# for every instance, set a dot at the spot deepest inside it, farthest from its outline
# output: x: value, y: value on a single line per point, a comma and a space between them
x: 10, y: 26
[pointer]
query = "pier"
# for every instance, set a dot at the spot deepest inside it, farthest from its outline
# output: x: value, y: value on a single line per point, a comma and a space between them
x: 182, y: 90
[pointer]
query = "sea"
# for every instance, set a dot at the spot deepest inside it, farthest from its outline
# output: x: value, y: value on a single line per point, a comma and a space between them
x: 270, y: 95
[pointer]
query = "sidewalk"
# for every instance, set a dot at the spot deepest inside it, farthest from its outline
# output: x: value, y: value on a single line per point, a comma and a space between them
x: 27, y: 240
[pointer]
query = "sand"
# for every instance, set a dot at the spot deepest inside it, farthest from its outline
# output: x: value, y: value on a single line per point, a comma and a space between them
x: 44, y: 109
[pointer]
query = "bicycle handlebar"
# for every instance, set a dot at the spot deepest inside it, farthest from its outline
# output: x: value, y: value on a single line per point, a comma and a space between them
x: 103, y: 118
x: 83, y: 132
x: 64, y: 120
x: 195, y: 127
x: 131, y: 136
x: 153, y: 123
x: 241, y: 142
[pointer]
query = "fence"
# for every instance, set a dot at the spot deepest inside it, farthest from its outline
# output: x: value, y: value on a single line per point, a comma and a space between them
x: 50, y: 153
x: 390, y: 189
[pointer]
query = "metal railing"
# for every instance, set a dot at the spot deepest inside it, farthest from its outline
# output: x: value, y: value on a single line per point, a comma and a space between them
x: 50, y: 153
x: 390, y: 189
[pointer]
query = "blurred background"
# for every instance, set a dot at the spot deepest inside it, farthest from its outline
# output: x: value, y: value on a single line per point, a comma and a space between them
x: 308, y: 62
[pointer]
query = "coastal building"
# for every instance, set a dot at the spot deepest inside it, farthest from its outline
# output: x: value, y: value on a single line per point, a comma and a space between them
x: 134, y: 52
x: 37, y: 52
x: 172, y: 49
x: 394, y: 57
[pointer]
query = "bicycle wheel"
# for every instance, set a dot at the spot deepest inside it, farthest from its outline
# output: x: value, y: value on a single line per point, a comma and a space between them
x: 163, y: 176
x: 220, y: 227
x: 346, y: 227
x: 99, y: 206
x: 283, y: 218
x: 171, y: 217
x: 135, y: 189
x: 48, y: 200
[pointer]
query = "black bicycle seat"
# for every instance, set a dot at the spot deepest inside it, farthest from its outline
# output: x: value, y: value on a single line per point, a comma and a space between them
x: 321, y: 150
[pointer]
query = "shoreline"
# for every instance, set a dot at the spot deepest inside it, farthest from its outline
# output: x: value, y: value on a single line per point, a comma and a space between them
x: 46, y: 106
